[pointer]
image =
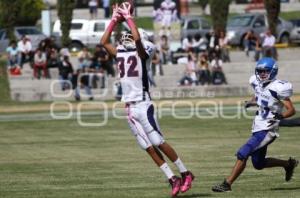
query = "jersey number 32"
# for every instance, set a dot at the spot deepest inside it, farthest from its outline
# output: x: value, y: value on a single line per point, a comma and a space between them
x: 131, y: 70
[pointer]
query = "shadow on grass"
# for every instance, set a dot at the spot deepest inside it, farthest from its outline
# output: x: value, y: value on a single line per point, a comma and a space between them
x: 287, y: 188
x: 196, y: 195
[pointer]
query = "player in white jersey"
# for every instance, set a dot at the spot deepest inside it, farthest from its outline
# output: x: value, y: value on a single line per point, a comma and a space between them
x: 132, y: 55
x: 272, y: 96
x: 168, y: 12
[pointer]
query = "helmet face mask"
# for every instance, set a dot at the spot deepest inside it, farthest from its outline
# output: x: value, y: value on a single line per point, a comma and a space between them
x: 127, y: 40
x: 266, y: 70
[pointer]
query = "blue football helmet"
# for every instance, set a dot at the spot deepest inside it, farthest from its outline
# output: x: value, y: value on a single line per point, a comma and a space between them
x: 267, y: 65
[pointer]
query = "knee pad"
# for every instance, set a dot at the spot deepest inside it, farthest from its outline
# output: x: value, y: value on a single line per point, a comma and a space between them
x: 155, y: 138
x: 143, y: 143
x: 243, y: 153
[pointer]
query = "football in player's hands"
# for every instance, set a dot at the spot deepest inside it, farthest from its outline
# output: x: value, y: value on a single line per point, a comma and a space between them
x: 126, y: 9
x: 116, y: 16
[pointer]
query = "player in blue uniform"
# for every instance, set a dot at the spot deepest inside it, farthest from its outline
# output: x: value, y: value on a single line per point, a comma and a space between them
x: 272, y: 96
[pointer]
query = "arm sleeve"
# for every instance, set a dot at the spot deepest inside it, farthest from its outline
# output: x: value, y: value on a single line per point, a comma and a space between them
x: 285, y: 90
x: 149, y: 48
x: 253, y: 82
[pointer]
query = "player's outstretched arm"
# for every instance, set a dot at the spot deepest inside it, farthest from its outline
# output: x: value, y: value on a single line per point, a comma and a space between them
x: 106, y: 36
x: 125, y: 11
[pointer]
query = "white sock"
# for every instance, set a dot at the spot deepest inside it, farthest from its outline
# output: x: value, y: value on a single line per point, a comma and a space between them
x: 167, y: 170
x: 180, y: 165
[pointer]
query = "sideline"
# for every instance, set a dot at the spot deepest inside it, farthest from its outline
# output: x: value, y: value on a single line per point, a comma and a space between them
x: 94, y: 105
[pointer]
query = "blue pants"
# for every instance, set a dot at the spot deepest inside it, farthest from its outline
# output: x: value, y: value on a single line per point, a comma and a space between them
x: 256, y: 147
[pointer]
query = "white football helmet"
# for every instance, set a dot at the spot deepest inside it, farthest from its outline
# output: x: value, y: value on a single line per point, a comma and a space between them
x: 127, y: 40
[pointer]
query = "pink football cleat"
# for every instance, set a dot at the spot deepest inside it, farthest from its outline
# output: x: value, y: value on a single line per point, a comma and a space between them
x: 187, y: 179
x: 175, y: 183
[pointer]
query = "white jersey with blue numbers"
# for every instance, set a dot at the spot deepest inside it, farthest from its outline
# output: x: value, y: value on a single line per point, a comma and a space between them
x: 268, y: 99
x: 133, y: 72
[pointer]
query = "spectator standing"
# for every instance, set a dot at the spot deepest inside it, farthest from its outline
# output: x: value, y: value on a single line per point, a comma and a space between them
x: 157, y: 68
x: 65, y: 73
x: 25, y: 48
x: 213, y: 45
x: 93, y: 6
x: 223, y: 42
x: 106, y: 8
x: 268, y: 45
x: 81, y: 79
x: 169, y: 14
x: 164, y: 49
x: 39, y: 63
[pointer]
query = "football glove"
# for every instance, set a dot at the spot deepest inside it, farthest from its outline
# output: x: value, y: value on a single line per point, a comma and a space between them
x: 248, y: 104
x: 276, y: 118
x: 125, y: 10
x: 116, y: 16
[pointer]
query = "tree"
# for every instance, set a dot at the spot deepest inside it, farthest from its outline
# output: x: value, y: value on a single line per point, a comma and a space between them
x: 219, y: 11
x: 273, y: 10
x: 8, y: 16
x: 65, y: 14
x: 203, y: 4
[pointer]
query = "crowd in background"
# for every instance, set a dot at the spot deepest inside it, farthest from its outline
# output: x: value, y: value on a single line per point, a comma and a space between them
x: 202, y: 57
x: 89, y: 72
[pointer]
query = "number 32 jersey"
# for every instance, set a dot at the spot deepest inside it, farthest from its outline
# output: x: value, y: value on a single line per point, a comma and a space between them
x: 269, y: 101
x: 133, y: 72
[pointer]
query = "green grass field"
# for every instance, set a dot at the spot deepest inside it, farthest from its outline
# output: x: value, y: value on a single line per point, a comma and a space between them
x: 58, y: 158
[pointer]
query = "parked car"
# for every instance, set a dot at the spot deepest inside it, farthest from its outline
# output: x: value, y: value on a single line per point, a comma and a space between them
x: 87, y: 32
x: 295, y: 34
x: 239, y: 25
x: 34, y: 34
x: 191, y: 25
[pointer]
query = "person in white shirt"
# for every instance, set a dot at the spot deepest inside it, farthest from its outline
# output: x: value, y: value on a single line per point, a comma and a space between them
x: 169, y: 14
x: 268, y: 45
x: 223, y: 42
x: 25, y: 48
x: 93, y: 6
x: 187, y: 43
